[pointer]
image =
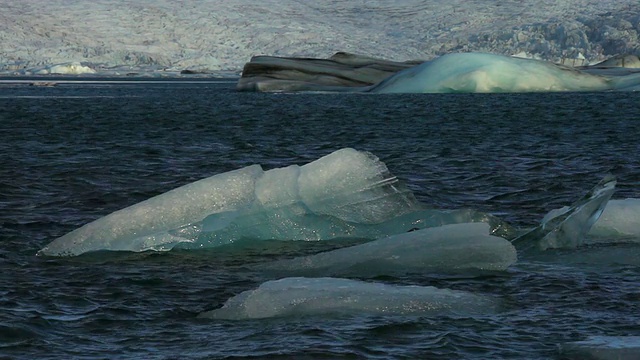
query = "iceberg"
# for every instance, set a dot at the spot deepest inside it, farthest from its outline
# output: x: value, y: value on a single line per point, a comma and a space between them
x: 322, y: 296
x: 491, y: 73
x: 603, y: 348
x: 567, y: 227
x: 457, y: 248
x: 72, y: 68
x: 619, y: 222
x: 344, y: 194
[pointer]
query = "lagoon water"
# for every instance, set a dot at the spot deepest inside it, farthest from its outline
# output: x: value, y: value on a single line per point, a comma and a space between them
x: 78, y: 151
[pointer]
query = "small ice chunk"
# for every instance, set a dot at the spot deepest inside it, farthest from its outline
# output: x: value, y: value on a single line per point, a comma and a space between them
x: 456, y: 248
x: 321, y: 296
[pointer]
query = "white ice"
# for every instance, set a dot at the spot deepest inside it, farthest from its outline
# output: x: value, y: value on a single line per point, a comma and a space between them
x: 322, y: 296
x: 459, y: 248
x: 164, y: 220
x: 603, y: 348
x: 168, y: 35
x: 490, y: 73
x: 73, y: 68
x: 619, y: 220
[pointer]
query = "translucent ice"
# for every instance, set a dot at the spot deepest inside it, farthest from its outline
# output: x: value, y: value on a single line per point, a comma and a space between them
x: 568, y: 227
x: 346, y: 193
x: 488, y: 73
x: 458, y: 248
x: 321, y: 296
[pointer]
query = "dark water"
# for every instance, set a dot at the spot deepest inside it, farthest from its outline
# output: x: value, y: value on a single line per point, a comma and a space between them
x: 73, y: 153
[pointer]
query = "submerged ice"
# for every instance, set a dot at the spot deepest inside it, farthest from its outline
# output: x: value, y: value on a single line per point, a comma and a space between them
x: 314, y: 296
x: 456, y: 248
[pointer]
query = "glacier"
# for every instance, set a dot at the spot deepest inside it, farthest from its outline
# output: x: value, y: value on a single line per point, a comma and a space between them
x: 165, y: 36
x: 73, y: 68
x: 314, y: 296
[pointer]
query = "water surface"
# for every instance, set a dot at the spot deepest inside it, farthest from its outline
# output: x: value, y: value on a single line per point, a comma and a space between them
x: 78, y: 151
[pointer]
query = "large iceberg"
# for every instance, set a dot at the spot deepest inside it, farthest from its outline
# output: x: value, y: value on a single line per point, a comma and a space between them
x: 321, y: 296
x: 456, y: 248
x: 490, y: 73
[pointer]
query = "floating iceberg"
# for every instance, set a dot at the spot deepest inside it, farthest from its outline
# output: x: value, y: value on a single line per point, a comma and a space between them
x: 344, y: 194
x: 568, y: 227
x: 603, y: 348
x: 456, y: 248
x: 72, y: 68
x: 619, y: 222
x: 490, y: 73
x: 319, y: 296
